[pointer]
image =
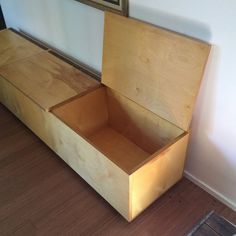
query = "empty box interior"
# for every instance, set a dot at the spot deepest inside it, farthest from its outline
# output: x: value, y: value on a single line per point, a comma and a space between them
x: 124, y: 131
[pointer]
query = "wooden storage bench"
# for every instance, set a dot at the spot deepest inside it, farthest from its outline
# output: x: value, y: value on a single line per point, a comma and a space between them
x: 128, y: 137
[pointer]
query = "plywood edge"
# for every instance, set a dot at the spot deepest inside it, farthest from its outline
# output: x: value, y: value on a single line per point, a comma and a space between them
x: 130, y: 216
x: 154, y: 178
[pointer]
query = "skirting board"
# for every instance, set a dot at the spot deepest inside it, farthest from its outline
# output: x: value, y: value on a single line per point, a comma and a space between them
x: 210, y: 190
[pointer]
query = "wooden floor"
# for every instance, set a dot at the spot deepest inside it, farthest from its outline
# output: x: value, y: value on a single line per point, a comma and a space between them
x: 40, y: 195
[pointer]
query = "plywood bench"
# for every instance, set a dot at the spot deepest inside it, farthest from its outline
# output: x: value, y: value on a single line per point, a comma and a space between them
x: 128, y: 136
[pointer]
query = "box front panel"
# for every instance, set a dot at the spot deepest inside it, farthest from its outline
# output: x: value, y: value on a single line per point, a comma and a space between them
x: 157, y: 176
x: 97, y: 170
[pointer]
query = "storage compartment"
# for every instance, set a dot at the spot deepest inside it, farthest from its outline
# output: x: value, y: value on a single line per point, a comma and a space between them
x: 124, y: 131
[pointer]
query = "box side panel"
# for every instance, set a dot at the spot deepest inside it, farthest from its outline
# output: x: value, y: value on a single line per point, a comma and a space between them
x: 86, y: 114
x: 157, y: 176
x: 103, y: 175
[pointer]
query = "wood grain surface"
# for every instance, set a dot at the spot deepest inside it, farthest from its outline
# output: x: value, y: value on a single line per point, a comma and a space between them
x: 87, y: 114
x: 40, y: 195
x: 48, y: 80
x: 155, y: 177
x: 118, y: 148
x: 156, y: 68
x: 144, y: 128
x: 14, y: 47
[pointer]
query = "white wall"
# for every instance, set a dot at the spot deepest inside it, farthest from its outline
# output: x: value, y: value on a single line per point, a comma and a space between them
x: 78, y: 30
x: 65, y: 24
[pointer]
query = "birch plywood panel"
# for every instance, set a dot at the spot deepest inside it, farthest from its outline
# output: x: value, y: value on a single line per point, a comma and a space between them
x: 14, y: 47
x: 47, y: 80
x: 118, y: 148
x: 87, y: 114
x: 148, y: 130
x: 158, y: 69
x: 158, y: 175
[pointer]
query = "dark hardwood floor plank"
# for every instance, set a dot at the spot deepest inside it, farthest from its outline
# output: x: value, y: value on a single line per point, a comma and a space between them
x: 25, y: 229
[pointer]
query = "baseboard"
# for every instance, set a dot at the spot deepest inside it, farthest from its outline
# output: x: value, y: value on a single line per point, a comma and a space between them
x: 210, y: 190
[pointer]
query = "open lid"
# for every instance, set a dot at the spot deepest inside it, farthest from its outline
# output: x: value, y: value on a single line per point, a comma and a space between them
x: 156, y: 68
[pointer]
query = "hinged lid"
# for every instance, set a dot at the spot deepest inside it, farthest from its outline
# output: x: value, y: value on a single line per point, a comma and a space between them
x: 156, y: 68
x: 47, y: 80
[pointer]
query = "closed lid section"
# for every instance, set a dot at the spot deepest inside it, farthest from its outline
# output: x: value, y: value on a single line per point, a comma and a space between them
x: 14, y: 47
x: 47, y: 80
x: 156, y: 68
